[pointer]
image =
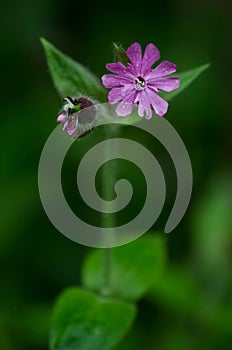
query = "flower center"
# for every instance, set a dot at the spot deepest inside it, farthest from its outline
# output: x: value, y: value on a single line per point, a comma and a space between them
x: 140, y: 83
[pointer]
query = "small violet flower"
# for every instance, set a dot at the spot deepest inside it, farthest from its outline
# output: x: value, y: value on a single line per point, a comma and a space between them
x: 71, y: 119
x: 138, y: 83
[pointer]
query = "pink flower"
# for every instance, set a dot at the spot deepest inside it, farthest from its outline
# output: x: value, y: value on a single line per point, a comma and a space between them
x: 67, y: 118
x: 71, y: 119
x: 138, y: 83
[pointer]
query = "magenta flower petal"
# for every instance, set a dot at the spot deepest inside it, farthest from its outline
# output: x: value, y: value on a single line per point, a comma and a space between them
x: 165, y: 84
x: 124, y: 109
x: 111, y: 80
x: 115, y: 95
x: 70, y: 131
x: 61, y: 117
x: 151, y: 55
x: 159, y: 104
x: 71, y: 126
x: 129, y: 93
x: 117, y: 68
x: 148, y: 113
x: 134, y: 52
x: 144, y: 105
x: 70, y: 122
x: 126, y: 90
x: 163, y: 69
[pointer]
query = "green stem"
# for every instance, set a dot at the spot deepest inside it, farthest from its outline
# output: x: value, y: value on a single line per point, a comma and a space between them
x: 108, y: 219
x: 107, y: 269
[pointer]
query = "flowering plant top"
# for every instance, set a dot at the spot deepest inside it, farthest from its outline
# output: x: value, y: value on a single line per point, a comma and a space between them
x: 97, y: 316
x: 133, y: 82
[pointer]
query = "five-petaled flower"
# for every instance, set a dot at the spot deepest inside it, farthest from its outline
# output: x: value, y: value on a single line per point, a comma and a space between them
x: 138, y: 83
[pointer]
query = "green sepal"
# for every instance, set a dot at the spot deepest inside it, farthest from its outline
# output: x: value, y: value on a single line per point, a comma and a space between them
x: 120, y: 55
x: 76, y: 108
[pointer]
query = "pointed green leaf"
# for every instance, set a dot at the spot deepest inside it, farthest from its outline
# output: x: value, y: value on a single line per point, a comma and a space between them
x: 70, y: 77
x: 186, y: 78
x: 135, y: 267
x: 83, y: 321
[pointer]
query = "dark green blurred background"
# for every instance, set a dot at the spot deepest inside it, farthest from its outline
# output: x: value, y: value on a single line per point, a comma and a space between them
x: 191, y: 307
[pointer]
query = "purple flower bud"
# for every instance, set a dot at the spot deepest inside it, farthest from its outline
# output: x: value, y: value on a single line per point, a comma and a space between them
x: 86, y: 116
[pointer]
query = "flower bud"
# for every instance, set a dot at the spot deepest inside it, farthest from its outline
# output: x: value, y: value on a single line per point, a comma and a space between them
x: 86, y: 116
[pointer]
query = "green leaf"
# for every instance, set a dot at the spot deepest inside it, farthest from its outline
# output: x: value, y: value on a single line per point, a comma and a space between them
x: 70, y: 77
x: 186, y: 78
x: 135, y: 267
x: 84, y: 321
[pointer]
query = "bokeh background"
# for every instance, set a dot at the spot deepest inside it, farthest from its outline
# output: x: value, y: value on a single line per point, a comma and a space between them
x: 191, y: 305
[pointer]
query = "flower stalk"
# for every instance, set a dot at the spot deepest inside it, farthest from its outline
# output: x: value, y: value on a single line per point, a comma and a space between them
x: 109, y: 178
